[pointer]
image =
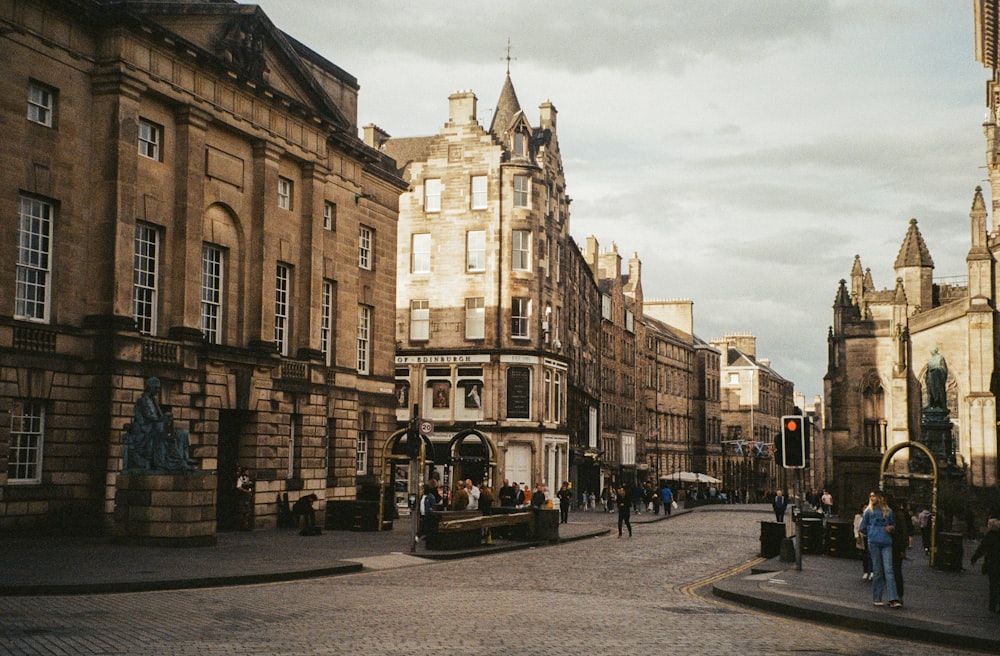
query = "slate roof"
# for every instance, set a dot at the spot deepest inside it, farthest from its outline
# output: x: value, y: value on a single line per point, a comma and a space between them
x: 507, y: 109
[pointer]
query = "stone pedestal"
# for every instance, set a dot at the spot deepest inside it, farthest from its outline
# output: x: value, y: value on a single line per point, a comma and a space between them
x: 166, y: 510
x: 935, y: 434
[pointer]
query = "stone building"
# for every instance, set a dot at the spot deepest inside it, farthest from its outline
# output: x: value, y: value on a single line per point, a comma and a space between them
x: 879, y: 347
x: 492, y: 315
x: 682, y: 393
x: 187, y: 198
x: 622, y: 445
x: 881, y: 339
x: 754, y: 397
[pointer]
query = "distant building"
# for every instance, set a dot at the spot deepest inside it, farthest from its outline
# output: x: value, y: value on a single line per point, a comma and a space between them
x: 621, y: 312
x: 186, y: 197
x: 684, y: 393
x: 754, y: 397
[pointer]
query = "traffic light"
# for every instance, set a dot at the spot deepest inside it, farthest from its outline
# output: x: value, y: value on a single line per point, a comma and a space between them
x: 413, y: 440
x: 794, y: 442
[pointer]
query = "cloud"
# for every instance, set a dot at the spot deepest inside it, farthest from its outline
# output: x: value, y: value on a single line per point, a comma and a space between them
x: 746, y: 150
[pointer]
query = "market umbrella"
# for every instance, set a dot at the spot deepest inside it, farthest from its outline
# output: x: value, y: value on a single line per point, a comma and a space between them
x: 690, y: 477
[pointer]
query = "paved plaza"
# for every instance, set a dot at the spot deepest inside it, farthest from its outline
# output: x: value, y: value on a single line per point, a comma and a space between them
x: 651, y: 594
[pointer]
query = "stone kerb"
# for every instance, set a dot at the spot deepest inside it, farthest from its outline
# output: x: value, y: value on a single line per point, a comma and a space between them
x: 166, y: 510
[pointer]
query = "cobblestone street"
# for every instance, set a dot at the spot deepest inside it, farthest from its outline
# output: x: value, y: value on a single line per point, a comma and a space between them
x: 597, y: 596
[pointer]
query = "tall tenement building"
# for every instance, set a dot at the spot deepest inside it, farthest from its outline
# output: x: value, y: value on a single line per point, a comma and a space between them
x: 185, y: 196
x: 491, y: 321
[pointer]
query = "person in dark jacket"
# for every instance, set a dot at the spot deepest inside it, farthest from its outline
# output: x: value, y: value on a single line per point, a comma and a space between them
x: 624, y: 510
x: 989, y: 548
x: 565, y: 496
x: 779, y: 503
x: 902, y: 540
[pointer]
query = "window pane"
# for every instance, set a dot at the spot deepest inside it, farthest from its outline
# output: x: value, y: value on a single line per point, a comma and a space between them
x: 479, y: 189
x: 41, y: 102
x: 364, y: 338
x: 284, y: 193
x: 24, y: 457
x: 420, y: 320
x: 521, y: 250
x: 326, y: 321
x: 149, y: 139
x: 522, y: 191
x: 282, y: 280
x: 520, y: 312
x: 432, y: 195
x: 329, y: 216
x: 211, y: 292
x: 144, y: 278
x: 365, y: 238
x: 31, y: 294
x: 475, y: 250
x: 421, y: 255
x: 475, y: 318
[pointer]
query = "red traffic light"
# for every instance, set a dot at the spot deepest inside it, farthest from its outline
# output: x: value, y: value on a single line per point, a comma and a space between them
x: 791, y: 425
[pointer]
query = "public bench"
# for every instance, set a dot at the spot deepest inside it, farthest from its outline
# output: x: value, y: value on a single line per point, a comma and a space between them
x: 464, y: 529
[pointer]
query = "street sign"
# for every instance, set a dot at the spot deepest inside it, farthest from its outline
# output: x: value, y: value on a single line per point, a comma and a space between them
x: 425, y: 427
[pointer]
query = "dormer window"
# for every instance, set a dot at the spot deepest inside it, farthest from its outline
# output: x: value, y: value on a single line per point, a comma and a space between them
x: 520, y: 144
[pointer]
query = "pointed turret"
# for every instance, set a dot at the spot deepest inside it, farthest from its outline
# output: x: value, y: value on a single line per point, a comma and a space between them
x: 979, y: 260
x: 868, y: 285
x: 857, y: 280
x: 916, y: 268
x: 842, y: 307
x: 507, y: 109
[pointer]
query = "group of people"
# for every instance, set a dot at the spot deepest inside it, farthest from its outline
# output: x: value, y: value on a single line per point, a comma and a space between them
x: 884, y: 532
x: 636, y: 497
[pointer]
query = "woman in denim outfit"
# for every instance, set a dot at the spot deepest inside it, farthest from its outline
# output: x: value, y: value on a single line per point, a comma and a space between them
x: 877, y: 525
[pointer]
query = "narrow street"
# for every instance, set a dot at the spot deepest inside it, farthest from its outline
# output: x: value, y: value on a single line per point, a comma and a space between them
x: 643, y: 595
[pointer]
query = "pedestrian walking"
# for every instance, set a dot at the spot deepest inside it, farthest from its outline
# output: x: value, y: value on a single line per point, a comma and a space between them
x: 565, y: 496
x: 827, y: 501
x: 989, y: 549
x: 779, y: 503
x: 624, y: 511
x: 925, y: 523
x: 877, y: 525
x: 902, y: 540
x: 862, y: 545
x: 667, y: 495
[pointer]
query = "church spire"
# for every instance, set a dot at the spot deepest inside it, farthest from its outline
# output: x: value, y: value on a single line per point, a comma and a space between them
x: 508, y: 108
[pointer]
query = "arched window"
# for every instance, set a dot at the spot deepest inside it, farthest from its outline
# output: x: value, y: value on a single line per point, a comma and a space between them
x: 873, y: 413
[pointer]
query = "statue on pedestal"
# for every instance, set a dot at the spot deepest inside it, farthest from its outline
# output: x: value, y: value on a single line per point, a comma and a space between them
x: 152, y: 443
x: 937, y: 379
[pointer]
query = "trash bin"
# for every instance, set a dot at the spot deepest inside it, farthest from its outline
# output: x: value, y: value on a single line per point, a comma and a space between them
x: 840, y: 539
x: 949, y: 552
x: 547, y: 525
x: 771, y: 535
x: 812, y: 536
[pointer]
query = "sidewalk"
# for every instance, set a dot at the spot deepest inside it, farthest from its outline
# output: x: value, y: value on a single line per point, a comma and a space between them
x: 947, y: 608
x: 50, y: 566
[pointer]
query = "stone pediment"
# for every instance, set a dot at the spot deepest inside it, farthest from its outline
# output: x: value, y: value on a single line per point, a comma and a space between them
x: 243, y: 41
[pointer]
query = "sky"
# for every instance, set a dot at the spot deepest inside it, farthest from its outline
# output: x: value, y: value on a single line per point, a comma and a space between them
x: 745, y: 149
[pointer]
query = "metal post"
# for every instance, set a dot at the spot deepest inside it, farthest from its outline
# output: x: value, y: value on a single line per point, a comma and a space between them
x: 414, y: 469
x: 798, y: 524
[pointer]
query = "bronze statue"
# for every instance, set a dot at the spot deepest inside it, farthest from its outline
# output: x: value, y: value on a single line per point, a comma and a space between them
x: 936, y: 379
x: 152, y: 443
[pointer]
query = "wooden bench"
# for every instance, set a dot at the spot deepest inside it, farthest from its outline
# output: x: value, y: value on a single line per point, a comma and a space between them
x: 487, y: 521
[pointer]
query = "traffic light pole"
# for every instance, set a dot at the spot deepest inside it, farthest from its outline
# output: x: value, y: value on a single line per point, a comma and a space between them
x: 798, y: 524
x: 414, y: 484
